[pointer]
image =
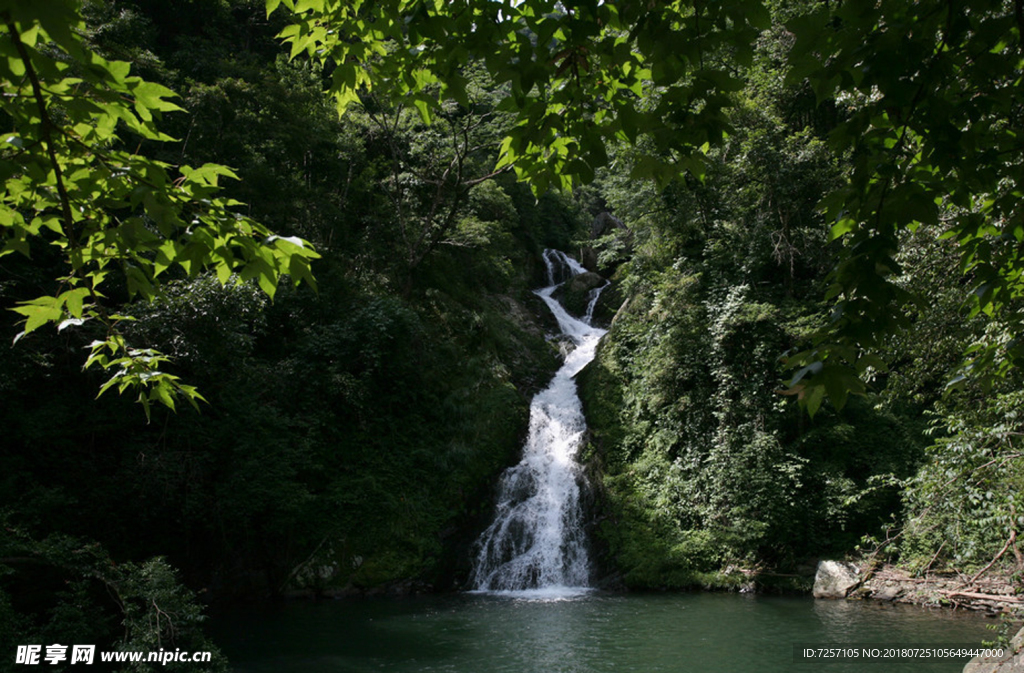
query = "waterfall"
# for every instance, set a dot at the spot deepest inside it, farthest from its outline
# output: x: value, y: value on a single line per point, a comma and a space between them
x: 537, y: 541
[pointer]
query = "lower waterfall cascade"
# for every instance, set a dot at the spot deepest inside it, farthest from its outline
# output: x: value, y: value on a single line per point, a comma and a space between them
x: 537, y: 539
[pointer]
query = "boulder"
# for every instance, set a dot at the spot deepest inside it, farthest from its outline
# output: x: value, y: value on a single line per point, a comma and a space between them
x: 584, y: 282
x: 575, y: 294
x: 604, y: 223
x: 887, y: 593
x: 835, y: 579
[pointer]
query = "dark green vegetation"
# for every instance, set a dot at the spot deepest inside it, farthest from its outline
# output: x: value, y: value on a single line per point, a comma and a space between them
x: 350, y: 436
x: 702, y: 461
x: 707, y: 461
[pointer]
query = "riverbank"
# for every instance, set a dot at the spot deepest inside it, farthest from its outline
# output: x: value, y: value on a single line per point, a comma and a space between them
x: 997, y: 593
x: 993, y: 591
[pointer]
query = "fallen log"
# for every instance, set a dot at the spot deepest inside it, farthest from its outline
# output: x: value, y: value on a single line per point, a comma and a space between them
x: 982, y: 597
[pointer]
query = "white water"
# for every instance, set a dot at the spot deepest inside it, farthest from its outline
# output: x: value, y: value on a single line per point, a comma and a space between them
x: 536, y: 544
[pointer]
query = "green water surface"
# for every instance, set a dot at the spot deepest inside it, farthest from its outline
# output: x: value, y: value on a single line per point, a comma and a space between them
x: 593, y: 633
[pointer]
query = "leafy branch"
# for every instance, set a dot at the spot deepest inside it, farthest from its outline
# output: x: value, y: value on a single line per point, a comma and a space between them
x: 112, y: 212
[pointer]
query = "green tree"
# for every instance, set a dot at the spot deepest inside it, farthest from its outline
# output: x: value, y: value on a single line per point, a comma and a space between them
x: 965, y: 507
x: 121, y: 221
x: 434, y: 162
x: 931, y: 120
x: 579, y: 75
x: 78, y: 594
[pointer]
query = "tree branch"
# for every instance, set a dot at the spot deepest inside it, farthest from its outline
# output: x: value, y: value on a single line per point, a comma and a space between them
x: 46, y: 126
x: 1009, y: 542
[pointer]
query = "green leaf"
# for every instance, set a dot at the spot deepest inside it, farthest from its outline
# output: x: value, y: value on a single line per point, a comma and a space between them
x: 757, y: 14
x: 74, y: 299
x: 842, y: 227
x: 40, y: 311
x: 814, y: 397
x: 834, y: 383
x: 423, y: 107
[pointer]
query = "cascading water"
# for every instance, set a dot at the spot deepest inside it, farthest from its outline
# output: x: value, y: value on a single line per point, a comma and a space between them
x: 537, y: 541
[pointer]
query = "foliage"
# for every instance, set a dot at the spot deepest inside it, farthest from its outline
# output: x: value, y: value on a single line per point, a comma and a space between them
x: 932, y: 124
x: 351, y: 435
x: 922, y: 100
x: 70, y: 184
x: 435, y: 162
x: 80, y: 596
x: 704, y: 463
x: 200, y: 323
x: 578, y: 76
x: 965, y: 505
x: 924, y: 357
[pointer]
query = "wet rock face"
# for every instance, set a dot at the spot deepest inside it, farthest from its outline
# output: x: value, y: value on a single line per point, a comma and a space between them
x: 575, y: 294
x: 585, y: 282
x: 835, y: 579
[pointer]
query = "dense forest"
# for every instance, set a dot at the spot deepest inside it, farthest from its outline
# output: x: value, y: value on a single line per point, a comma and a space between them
x: 253, y: 347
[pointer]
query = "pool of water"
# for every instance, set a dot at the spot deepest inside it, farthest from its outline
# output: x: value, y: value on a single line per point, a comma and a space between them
x: 591, y: 633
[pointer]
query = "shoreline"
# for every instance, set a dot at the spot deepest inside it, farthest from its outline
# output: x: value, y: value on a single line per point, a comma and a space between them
x: 996, y: 592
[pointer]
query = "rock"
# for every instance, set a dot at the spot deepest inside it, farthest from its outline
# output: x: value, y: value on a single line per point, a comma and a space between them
x: 584, y: 282
x: 575, y: 294
x: 887, y: 593
x: 603, y: 224
x: 977, y: 665
x: 835, y: 579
